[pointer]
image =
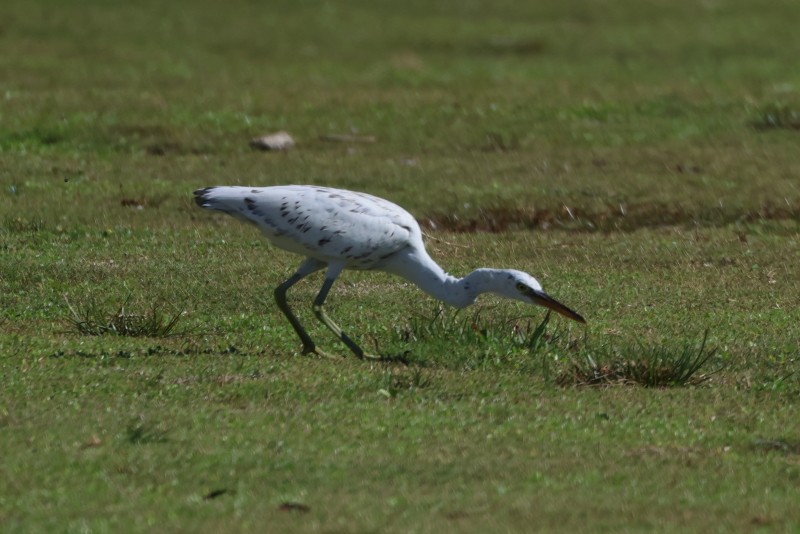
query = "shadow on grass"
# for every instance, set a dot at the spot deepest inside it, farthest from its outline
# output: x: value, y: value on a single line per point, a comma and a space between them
x: 138, y: 432
x: 777, y: 117
x: 781, y: 445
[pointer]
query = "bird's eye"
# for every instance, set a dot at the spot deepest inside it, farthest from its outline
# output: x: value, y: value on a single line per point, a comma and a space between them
x: 521, y: 286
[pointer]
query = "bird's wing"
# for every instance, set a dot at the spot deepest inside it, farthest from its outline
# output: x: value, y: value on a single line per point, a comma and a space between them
x: 324, y: 223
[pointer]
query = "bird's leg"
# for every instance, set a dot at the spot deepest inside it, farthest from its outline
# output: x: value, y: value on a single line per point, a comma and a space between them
x: 319, y: 311
x: 308, y: 267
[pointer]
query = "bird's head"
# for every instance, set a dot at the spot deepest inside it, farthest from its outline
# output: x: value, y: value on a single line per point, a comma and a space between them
x: 522, y: 286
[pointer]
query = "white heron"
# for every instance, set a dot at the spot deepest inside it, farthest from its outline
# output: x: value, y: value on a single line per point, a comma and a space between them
x: 338, y: 229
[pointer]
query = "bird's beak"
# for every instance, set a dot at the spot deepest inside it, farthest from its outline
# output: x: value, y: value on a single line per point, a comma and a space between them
x: 543, y: 299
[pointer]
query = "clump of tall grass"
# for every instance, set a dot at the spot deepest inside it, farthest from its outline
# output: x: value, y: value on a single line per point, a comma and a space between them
x: 640, y: 364
x: 481, y: 337
x: 474, y: 328
x: 93, y: 319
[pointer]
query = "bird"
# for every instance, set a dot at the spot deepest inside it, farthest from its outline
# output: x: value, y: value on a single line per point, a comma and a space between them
x: 336, y: 229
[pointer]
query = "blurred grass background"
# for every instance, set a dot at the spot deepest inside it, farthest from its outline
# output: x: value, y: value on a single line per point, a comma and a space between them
x: 639, y: 158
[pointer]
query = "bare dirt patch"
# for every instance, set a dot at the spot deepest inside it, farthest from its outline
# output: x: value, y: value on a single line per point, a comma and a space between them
x: 620, y: 218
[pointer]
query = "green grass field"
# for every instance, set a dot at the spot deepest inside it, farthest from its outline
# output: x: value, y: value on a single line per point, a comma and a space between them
x: 639, y: 158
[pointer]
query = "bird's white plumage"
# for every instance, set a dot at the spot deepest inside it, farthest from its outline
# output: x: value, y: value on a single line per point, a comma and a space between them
x: 341, y: 229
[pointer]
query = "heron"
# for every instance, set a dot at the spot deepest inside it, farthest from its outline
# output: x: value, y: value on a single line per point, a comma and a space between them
x: 336, y: 229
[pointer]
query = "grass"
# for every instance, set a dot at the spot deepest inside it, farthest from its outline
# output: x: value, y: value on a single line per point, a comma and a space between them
x: 778, y: 116
x: 650, y: 366
x: 639, y: 159
x: 92, y: 320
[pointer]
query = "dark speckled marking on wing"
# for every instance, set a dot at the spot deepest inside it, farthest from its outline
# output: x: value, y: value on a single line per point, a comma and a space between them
x: 320, y: 222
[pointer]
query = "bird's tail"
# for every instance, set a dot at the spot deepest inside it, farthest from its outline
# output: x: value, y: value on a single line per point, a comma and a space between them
x: 232, y: 200
x: 221, y: 198
x: 205, y: 198
x: 228, y: 199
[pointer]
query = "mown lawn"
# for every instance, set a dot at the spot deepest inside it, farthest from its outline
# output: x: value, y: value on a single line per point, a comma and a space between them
x: 639, y: 159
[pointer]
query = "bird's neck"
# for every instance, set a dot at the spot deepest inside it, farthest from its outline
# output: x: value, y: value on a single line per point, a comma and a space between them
x: 433, y: 280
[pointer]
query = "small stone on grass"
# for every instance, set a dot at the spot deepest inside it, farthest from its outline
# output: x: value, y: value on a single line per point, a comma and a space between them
x: 276, y: 141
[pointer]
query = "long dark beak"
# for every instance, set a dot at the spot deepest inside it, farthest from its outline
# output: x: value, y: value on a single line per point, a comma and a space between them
x: 543, y: 299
